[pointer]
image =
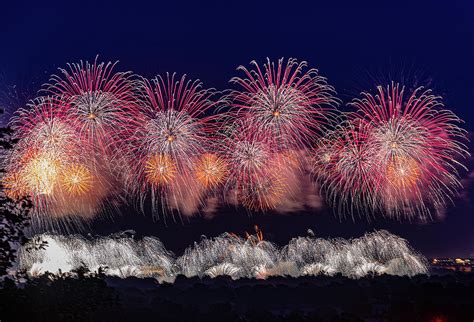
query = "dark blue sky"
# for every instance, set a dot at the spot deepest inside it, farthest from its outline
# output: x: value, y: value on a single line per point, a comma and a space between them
x: 355, y: 44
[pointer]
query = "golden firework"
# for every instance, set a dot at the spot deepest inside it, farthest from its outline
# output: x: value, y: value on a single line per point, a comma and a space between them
x: 14, y: 186
x: 160, y: 169
x: 76, y: 180
x: 211, y: 170
x: 403, y: 172
x: 41, y: 174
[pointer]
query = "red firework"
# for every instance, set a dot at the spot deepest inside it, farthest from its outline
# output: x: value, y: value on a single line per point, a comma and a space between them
x: 289, y: 104
x: 256, y: 173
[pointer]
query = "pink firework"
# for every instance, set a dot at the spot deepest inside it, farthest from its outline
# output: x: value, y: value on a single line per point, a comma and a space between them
x: 345, y: 165
x: 257, y: 175
x: 169, y: 132
x: 248, y: 153
x: 286, y: 102
x: 416, y: 146
x: 99, y: 100
x: 49, y: 165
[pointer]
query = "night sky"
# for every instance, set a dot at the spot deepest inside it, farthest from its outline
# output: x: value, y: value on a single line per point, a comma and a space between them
x: 356, y: 46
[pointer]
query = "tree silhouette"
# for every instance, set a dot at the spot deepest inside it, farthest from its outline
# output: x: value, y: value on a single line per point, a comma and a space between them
x: 14, y: 214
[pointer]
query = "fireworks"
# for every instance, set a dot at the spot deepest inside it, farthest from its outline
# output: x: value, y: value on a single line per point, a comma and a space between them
x: 288, y: 104
x: 98, y: 99
x: 250, y: 178
x: 403, y: 173
x: 211, y: 170
x: 169, y: 133
x: 47, y: 145
x: 77, y: 180
x: 344, y: 164
x: 14, y: 186
x: 265, y: 194
x: 55, y: 162
x: 417, y: 145
x: 160, y: 169
x: 252, y: 257
x: 395, y: 155
x: 280, y: 109
x: 42, y: 174
x: 103, y: 136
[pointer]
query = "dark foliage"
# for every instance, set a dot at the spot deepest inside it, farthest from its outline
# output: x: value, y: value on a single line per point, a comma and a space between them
x: 81, y: 297
x: 14, y: 215
x: 89, y: 297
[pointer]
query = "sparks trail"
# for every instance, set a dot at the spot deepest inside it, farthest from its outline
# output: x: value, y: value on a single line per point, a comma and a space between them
x: 250, y: 257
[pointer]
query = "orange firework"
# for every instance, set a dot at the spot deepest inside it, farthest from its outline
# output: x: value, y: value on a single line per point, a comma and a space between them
x: 288, y: 159
x: 211, y: 170
x: 160, y: 169
x: 14, y: 186
x: 76, y: 180
x: 403, y: 172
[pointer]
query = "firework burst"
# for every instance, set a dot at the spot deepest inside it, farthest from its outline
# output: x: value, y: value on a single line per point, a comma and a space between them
x: 289, y: 104
x: 76, y: 180
x: 99, y: 100
x: 49, y: 164
x: 102, y: 133
x: 264, y: 194
x: 211, y: 170
x: 170, y: 131
x: 413, y: 146
x: 160, y: 169
x: 344, y: 165
x: 259, y: 178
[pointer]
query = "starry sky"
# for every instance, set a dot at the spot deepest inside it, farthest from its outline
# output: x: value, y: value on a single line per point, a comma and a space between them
x: 355, y: 44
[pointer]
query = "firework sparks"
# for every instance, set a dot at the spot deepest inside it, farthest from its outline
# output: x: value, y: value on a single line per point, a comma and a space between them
x: 102, y: 133
x: 160, y: 169
x: 286, y: 102
x: 264, y: 195
x: 403, y: 173
x: 211, y: 170
x: 169, y: 133
x: 98, y: 99
x: 77, y: 180
x: 42, y: 175
x: 403, y: 158
x: 251, y: 257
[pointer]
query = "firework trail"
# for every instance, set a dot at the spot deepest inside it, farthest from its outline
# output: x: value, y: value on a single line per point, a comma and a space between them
x: 252, y: 257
